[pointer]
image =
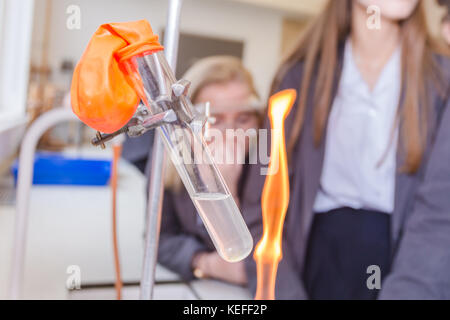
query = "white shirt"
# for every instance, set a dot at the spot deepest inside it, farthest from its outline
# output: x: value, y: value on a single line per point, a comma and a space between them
x: 359, y: 136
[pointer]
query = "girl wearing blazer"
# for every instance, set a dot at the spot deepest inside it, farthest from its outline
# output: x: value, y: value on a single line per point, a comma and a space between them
x: 369, y: 150
x: 185, y: 246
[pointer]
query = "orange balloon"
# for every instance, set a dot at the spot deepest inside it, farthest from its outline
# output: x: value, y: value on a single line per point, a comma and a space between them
x: 101, y: 96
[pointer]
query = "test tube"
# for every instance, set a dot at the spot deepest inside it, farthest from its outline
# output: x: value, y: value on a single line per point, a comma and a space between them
x: 153, y: 79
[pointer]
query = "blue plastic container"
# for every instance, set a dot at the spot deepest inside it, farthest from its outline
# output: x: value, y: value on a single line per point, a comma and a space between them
x: 56, y: 169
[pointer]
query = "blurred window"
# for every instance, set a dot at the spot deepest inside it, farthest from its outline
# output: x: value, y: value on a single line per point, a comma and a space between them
x: 16, y: 21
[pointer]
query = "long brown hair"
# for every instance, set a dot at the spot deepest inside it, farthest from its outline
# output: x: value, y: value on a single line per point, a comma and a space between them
x: 318, y: 49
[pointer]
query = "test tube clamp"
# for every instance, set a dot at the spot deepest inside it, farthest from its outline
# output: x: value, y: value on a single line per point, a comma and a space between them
x: 143, y: 121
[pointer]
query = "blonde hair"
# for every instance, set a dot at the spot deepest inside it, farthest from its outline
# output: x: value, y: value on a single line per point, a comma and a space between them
x: 206, y: 71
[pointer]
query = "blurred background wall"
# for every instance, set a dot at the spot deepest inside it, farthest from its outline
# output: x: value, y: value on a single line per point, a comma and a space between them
x: 258, y: 28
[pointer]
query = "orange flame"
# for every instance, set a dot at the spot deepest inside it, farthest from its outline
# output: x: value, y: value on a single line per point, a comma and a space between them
x: 275, y: 198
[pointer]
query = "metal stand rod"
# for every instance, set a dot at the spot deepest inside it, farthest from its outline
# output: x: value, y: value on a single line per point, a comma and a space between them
x: 155, y: 196
x: 24, y: 181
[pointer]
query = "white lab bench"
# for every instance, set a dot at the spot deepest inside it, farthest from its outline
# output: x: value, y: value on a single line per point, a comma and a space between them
x: 71, y: 226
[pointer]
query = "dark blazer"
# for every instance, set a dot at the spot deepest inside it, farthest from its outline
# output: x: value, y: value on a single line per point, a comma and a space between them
x: 138, y: 151
x: 420, y: 223
x: 182, y: 236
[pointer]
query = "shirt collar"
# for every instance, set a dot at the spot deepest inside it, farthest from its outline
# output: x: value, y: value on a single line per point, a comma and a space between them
x: 352, y: 79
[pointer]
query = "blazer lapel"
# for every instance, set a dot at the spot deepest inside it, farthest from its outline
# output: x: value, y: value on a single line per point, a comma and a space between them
x: 309, y: 170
